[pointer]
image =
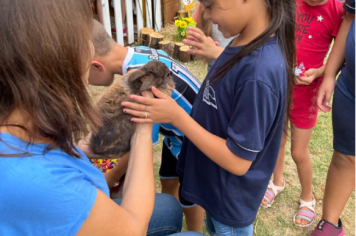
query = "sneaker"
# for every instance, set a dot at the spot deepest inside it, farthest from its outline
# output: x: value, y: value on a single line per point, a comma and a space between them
x: 325, y: 228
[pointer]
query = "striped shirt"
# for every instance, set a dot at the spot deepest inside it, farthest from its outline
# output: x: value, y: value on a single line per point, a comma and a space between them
x: 187, y: 87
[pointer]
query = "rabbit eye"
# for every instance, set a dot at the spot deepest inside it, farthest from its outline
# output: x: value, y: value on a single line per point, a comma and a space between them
x: 169, y: 74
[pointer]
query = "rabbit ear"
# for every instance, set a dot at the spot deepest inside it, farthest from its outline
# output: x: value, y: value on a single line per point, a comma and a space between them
x: 137, y: 74
x: 148, y: 82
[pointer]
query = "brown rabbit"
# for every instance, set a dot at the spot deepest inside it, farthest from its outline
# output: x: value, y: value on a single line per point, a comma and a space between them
x: 113, y: 138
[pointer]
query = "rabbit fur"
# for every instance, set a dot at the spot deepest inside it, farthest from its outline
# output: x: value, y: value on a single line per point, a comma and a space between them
x: 113, y: 138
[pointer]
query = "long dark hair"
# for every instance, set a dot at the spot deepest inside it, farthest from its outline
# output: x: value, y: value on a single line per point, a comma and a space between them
x: 45, y: 53
x: 282, y: 15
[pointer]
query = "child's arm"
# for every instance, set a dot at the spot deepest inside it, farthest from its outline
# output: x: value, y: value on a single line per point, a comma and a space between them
x: 202, y: 45
x: 211, y: 145
x: 335, y: 62
x: 118, y: 171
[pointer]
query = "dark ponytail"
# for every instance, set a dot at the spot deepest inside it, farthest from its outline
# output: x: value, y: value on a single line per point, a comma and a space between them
x: 282, y: 14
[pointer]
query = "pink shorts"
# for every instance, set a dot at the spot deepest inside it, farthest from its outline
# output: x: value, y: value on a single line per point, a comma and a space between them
x: 304, y: 110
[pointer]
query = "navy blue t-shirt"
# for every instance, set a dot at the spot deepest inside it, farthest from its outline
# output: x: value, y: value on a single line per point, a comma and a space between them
x: 247, y: 108
x: 350, y: 6
x: 346, y: 80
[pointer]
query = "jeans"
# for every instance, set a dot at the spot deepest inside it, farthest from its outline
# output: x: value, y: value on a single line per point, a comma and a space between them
x: 167, y: 217
x: 215, y: 228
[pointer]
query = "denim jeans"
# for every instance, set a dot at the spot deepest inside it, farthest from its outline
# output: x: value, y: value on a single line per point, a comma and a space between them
x: 167, y: 217
x: 215, y: 228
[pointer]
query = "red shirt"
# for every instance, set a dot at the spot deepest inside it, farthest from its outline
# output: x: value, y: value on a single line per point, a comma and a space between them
x: 316, y: 26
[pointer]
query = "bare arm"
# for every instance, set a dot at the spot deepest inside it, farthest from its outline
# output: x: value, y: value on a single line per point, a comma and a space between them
x: 131, y: 218
x: 335, y: 62
x: 118, y: 171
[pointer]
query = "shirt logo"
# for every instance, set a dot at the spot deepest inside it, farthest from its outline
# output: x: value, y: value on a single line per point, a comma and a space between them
x: 209, y: 96
x: 154, y: 55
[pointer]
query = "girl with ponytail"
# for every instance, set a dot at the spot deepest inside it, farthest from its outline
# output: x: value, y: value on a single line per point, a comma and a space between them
x: 234, y: 131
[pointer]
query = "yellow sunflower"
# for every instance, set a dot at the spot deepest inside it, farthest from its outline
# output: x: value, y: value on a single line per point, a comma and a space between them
x: 183, y: 24
x: 177, y: 23
x: 189, y: 19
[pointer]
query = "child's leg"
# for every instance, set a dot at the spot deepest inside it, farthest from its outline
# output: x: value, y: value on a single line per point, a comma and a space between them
x: 340, y: 184
x: 123, y: 11
x: 341, y: 175
x: 167, y: 172
x: 278, y: 171
x: 194, y: 218
x: 170, y: 186
x: 99, y: 9
x: 300, y: 139
x: 194, y: 214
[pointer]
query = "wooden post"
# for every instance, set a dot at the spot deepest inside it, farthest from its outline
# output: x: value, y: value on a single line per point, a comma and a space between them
x: 182, y: 13
x: 183, y: 54
x: 166, y: 46
x: 155, y: 38
x: 145, y: 36
x: 176, y: 50
x: 169, y: 10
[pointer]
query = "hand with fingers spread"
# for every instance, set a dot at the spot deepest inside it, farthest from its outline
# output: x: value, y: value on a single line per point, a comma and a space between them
x: 153, y: 110
x: 202, y: 45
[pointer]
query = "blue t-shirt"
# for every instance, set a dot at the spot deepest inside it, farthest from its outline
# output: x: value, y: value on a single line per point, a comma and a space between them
x: 346, y: 80
x: 247, y: 108
x: 45, y: 194
x: 186, y: 89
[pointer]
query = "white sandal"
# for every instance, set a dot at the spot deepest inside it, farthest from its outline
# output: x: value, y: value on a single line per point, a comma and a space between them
x: 270, y: 196
x: 304, y: 214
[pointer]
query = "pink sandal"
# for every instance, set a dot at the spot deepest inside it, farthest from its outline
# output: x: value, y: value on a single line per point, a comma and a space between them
x: 271, y: 195
x: 304, y: 214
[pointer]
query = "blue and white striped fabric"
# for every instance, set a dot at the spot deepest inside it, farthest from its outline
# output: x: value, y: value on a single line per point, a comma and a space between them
x: 187, y: 87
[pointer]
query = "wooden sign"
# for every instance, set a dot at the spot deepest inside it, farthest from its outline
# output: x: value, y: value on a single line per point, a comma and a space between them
x: 188, y: 5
